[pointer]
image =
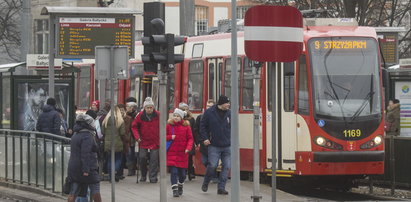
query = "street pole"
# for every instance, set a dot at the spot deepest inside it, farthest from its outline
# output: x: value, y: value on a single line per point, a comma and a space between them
x: 163, y: 120
x: 235, y: 154
x: 112, y: 77
x: 256, y: 138
x: 273, y: 133
x: 52, y: 35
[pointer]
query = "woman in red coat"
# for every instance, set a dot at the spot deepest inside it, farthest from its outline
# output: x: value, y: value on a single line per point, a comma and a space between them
x: 179, y: 131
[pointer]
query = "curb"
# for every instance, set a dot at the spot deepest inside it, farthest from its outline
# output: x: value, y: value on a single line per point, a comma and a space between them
x: 28, y: 188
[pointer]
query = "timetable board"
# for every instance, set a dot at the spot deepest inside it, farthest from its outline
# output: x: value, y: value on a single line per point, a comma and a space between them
x: 77, y: 37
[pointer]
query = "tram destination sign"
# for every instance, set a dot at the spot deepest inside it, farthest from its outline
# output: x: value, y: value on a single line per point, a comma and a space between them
x: 77, y: 36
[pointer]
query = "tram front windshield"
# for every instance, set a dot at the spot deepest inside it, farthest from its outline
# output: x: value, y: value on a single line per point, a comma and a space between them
x: 345, y: 77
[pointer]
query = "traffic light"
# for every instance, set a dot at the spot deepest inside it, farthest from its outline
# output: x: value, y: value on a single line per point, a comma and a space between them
x: 165, y: 55
x: 154, y: 15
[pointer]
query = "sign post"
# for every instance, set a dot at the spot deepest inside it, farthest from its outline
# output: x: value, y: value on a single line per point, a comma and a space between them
x: 112, y: 64
x: 272, y: 34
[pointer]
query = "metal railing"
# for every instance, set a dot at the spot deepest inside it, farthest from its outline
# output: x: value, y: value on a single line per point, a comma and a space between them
x: 34, y: 158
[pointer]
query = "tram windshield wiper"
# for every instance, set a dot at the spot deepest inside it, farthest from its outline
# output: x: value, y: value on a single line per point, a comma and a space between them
x: 368, y: 98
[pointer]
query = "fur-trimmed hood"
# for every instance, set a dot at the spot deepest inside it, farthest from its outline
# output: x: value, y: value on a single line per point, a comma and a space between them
x: 182, y: 122
x: 393, y: 107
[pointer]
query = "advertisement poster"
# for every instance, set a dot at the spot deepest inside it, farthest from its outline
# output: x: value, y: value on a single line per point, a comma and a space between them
x: 403, y: 93
x: 32, y: 96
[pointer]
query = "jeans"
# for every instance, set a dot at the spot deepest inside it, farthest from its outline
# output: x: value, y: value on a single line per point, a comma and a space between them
x: 153, y: 164
x: 117, y: 162
x: 177, y: 174
x: 214, y: 154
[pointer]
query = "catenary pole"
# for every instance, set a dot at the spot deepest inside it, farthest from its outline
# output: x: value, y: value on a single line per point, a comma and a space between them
x: 52, y: 36
x: 235, y: 157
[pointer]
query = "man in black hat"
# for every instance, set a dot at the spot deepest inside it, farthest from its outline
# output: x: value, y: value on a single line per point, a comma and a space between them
x: 49, y: 119
x: 215, y: 130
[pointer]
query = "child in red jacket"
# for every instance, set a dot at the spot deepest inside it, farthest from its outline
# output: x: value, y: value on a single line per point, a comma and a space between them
x: 179, y: 131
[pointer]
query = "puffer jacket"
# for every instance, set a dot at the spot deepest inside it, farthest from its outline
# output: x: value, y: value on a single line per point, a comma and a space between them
x: 83, y: 153
x: 147, y: 130
x: 49, y: 121
x: 183, y: 140
x: 393, y: 117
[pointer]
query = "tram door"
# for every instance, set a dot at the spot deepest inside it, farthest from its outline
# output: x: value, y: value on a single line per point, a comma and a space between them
x: 215, y: 69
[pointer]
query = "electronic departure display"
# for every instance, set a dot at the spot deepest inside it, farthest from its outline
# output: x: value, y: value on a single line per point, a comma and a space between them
x: 340, y: 44
x: 78, y: 36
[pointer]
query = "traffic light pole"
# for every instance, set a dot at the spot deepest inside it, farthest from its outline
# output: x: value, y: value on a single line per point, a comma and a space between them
x: 163, y: 120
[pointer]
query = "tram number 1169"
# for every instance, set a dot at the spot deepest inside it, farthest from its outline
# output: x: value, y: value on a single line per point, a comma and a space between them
x: 352, y: 133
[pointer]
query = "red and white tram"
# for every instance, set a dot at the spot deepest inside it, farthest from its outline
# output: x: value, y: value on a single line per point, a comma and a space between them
x: 329, y: 102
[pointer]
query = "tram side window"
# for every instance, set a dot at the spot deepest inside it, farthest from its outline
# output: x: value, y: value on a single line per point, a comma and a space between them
x: 211, y: 81
x: 84, y: 88
x: 195, y: 85
x: 289, y: 86
x: 303, y: 106
x: 247, y: 85
x: 227, y: 76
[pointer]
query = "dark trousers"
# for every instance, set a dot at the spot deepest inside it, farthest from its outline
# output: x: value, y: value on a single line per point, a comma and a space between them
x: 177, y: 175
x: 152, y: 164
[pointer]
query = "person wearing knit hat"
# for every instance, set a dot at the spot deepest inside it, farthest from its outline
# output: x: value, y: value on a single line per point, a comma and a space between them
x: 179, y: 132
x: 223, y: 100
x: 95, y: 106
x: 215, y: 131
x: 148, y: 102
x: 189, y: 117
x: 146, y: 132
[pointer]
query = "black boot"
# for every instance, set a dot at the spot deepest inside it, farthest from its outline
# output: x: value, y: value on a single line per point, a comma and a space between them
x: 174, y: 187
x: 180, y: 188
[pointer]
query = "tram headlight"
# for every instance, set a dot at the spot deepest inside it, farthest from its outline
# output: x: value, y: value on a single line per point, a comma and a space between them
x: 378, y: 140
x: 320, y: 141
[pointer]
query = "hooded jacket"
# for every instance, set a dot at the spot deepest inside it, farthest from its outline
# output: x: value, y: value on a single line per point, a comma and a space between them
x: 49, y: 121
x: 393, y: 117
x: 183, y: 140
x: 147, y: 130
x: 83, y: 153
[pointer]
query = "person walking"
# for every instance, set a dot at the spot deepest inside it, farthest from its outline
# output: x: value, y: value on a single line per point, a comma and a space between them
x: 215, y: 130
x: 147, y: 133
x: 392, y: 122
x: 131, y: 113
x: 119, y: 135
x: 82, y: 166
x: 49, y: 120
x: 179, y: 132
x: 189, y: 117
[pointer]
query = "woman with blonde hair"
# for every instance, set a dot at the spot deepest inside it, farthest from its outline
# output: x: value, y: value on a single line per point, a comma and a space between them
x: 119, y: 134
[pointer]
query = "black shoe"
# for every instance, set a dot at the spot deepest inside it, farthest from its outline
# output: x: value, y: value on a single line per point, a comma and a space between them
x: 191, y: 176
x: 153, y: 181
x: 180, y: 189
x: 117, y: 178
x: 204, y: 187
x: 175, y: 193
x: 143, y: 179
x: 222, y: 192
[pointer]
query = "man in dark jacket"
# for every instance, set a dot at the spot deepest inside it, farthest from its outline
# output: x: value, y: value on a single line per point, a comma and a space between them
x: 49, y: 120
x: 215, y: 131
x: 82, y: 166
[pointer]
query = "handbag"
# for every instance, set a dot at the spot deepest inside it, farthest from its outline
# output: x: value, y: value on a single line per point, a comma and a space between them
x: 67, y: 186
x: 168, y: 143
